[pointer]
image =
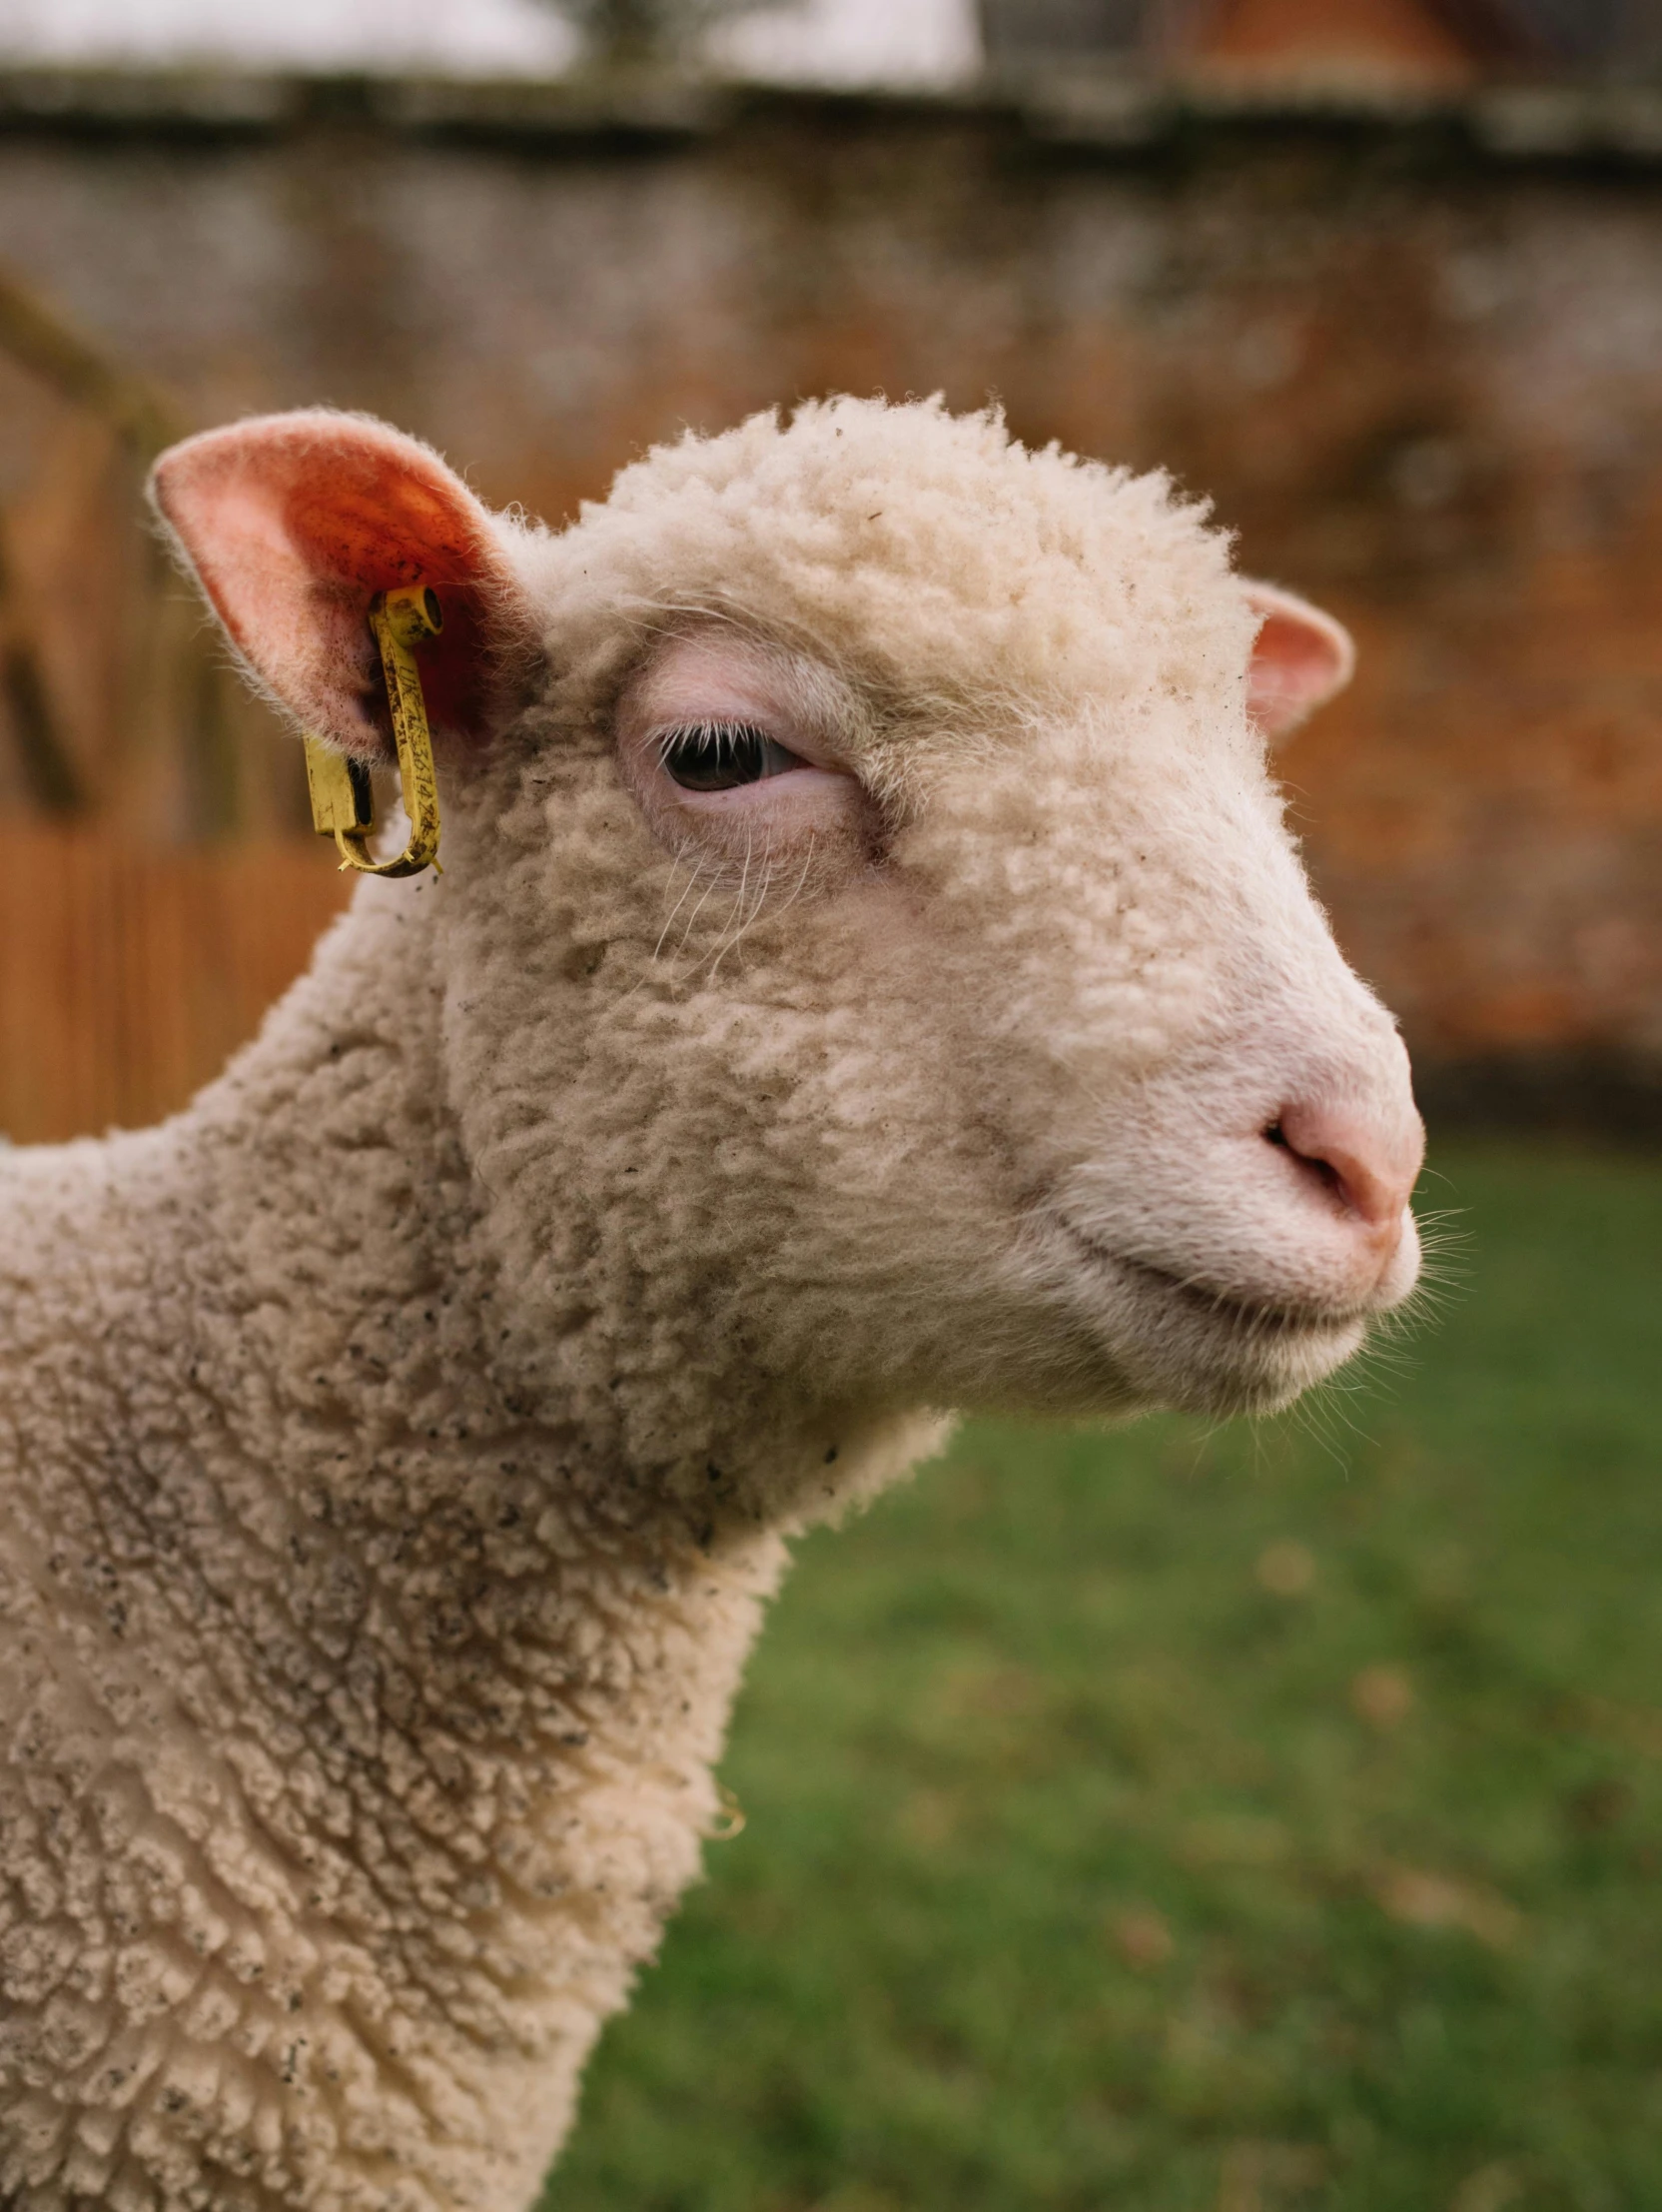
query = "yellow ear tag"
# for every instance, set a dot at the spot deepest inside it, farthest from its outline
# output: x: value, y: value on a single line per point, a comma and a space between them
x: 339, y: 788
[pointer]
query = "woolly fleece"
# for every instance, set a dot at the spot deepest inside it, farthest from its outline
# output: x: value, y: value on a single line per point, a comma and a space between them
x: 400, y: 1444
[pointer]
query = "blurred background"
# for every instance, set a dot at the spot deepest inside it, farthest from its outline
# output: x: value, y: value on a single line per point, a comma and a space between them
x: 1167, y: 1821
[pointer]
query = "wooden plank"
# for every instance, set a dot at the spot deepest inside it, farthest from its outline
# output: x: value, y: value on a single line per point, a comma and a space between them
x: 128, y: 975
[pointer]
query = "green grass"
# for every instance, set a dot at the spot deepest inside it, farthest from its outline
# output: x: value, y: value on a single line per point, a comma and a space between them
x: 1181, y: 1822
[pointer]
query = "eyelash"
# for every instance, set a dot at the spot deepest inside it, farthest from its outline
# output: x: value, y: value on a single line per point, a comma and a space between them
x: 722, y: 757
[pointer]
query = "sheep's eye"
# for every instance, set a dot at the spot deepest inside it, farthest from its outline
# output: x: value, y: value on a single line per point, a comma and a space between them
x: 718, y: 757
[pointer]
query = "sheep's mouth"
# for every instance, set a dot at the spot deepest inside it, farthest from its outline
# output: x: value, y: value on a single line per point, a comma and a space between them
x: 1199, y: 1347
x: 1260, y: 1319
x: 1234, y: 1311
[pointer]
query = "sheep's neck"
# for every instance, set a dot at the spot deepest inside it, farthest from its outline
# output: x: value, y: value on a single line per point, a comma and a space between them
x: 420, y: 1633
x: 455, y: 1470
x: 312, y: 1321
x: 436, y: 1684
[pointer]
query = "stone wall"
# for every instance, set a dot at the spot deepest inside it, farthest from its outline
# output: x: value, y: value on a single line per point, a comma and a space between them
x: 1415, y: 359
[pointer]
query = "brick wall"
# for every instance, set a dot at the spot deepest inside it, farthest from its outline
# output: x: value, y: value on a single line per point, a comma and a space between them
x: 1413, y: 357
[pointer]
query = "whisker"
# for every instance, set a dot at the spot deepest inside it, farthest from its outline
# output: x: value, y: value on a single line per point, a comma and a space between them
x: 679, y: 904
x: 723, y: 940
x: 715, y: 879
x: 746, y: 921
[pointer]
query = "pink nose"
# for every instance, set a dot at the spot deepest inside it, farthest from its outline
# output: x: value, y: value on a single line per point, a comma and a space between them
x: 1369, y: 1159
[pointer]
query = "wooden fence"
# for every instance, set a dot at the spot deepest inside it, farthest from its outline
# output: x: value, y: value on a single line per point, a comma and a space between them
x: 129, y: 973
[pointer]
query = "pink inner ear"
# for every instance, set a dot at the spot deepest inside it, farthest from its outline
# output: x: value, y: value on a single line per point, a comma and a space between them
x: 294, y: 522
x: 1301, y: 659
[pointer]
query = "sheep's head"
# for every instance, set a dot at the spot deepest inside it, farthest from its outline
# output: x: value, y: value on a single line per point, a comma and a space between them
x: 874, y: 959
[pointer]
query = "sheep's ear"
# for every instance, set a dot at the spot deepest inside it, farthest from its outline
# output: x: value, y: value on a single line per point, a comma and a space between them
x: 1299, y: 659
x: 293, y: 523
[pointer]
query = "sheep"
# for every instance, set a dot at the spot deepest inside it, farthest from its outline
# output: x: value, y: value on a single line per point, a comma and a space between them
x: 870, y: 976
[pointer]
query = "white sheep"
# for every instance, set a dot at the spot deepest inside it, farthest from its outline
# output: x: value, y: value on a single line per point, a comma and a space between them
x: 870, y: 974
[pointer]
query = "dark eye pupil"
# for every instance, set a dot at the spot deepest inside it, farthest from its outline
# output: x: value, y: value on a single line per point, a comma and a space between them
x: 717, y: 757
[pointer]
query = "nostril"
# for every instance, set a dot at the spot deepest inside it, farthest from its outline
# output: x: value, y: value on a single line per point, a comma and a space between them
x: 1368, y: 1163
x: 1313, y: 1164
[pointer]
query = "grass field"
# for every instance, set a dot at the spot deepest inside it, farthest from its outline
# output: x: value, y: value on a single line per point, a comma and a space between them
x: 1168, y: 1821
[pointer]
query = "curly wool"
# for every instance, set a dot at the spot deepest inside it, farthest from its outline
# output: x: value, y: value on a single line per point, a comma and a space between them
x: 930, y: 550
x: 399, y: 1443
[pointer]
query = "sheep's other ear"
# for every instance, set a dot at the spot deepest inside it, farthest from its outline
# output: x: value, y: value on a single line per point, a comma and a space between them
x: 1301, y: 659
x: 293, y: 523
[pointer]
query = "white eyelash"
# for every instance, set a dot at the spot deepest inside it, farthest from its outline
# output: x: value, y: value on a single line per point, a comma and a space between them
x: 719, y: 738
